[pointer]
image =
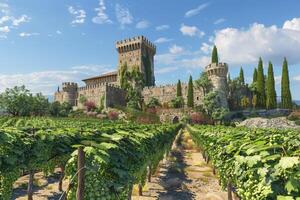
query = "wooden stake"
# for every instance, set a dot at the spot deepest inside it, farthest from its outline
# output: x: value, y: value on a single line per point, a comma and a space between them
x: 140, y: 190
x: 62, y: 175
x: 229, y: 190
x: 80, y: 176
x: 149, y: 173
x: 30, y: 185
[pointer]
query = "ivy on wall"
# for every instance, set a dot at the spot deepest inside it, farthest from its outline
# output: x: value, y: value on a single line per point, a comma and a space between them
x: 148, y: 70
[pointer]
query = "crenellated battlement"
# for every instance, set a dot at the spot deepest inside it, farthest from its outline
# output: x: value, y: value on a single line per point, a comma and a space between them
x: 99, y: 85
x: 134, y: 44
x: 217, y: 69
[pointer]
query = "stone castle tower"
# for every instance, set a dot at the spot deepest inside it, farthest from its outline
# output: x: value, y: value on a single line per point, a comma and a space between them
x: 68, y: 93
x: 138, y: 52
x: 217, y: 74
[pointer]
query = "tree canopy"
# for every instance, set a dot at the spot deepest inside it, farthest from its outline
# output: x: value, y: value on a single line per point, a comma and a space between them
x: 214, y: 55
x: 190, y: 94
x: 271, y: 92
x: 286, y: 97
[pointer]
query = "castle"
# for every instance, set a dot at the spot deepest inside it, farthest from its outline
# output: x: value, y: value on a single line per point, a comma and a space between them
x: 137, y: 52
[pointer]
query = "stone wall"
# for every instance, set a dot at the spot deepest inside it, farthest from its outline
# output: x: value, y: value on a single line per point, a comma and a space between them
x: 112, y: 94
x: 166, y: 93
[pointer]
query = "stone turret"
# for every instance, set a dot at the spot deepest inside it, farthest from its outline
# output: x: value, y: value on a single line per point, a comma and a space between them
x: 138, y: 52
x: 68, y: 93
x: 217, y: 73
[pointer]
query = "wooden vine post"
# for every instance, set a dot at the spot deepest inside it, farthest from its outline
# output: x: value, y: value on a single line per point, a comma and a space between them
x: 30, y: 185
x: 31, y: 178
x: 61, y: 178
x: 80, y: 176
x: 140, y: 189
x: 229, y: 187
x: 149, y: 173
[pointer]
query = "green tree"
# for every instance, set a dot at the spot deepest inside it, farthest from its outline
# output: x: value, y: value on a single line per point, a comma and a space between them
x: 39, y: 105
x: 153, y: 102
x: 178, y: 102
x: 190, y: 94
x: 179, y: 89
x: 134, y: 84
x: 214, y: 55
x: 204, y: 83
x: 286, y: 97
x: 261, y: 95
x: 245, y: 102
x: 255, y: 75
x: 54, y: 109
x: 241, y: 76
x: 271, y: 92
x: 16, y: 101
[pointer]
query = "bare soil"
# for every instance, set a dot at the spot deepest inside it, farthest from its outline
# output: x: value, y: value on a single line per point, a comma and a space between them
x: 183, y: 176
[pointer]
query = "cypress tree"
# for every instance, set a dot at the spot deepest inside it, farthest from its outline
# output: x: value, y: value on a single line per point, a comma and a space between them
x: 271, y: 92
x: 214, y: 55
x: 255, y: 75
x: 179, y: 90
x: 241, y: 77
x: 286, y: 97
x: 261, y: 95
x: 190, y: 94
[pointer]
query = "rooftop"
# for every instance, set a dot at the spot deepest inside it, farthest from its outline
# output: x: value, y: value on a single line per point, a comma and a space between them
x: 114, y: 73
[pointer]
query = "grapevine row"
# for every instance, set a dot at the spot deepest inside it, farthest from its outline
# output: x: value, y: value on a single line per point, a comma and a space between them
x: 258, y: 163
x: 117, y: 155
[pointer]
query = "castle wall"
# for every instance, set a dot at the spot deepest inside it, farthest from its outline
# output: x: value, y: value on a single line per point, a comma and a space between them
x: 166, y: 93
x: 112, y: 94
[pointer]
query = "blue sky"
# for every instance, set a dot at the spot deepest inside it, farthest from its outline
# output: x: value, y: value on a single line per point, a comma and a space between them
x: 43, y: 43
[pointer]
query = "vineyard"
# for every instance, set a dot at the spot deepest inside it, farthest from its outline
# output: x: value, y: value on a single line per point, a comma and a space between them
x: 113, y: 156
x: 103, y: 160
x: 253, y: 163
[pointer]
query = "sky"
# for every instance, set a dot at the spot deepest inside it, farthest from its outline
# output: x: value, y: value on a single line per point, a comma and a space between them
x: 44, y: 43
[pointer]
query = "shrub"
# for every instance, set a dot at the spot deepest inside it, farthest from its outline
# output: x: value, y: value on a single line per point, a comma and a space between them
x: 90, y: 105
x: 113, y: 115
x: 199, y: 118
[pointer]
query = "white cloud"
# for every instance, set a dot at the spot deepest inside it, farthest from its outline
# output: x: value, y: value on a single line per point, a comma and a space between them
x: 102, y: 17
x: 78, y: 14
x: 24, y: 34
x: 142, y: 24
x: 58, y: 32
x: 162, y: 40
x: 191, y: 31
x: 219, y: 21
x: 296, y: 78
x: 175, y: 49
x: 4, y: 29
x: 47, y: 81
x: 5, y: 19
x: 293, y: 24
x: 123, y: 15
x: 196, y: 11
x: 162, y: 27
x: 20, y: 20
x: 245, y: 46
x: 9, y: 21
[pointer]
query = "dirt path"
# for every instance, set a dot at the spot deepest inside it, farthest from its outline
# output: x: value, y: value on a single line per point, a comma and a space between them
x: 184, y: 176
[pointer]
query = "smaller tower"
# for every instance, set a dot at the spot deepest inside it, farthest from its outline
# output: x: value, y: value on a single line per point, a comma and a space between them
x: 217, y: 73
x: 69, y: 90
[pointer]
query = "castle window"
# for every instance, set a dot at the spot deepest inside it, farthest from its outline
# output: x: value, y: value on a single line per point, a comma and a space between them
x: 197, y: 98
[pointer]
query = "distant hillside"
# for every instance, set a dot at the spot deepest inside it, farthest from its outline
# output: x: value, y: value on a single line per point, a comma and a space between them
x: 297, y: 102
